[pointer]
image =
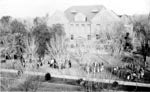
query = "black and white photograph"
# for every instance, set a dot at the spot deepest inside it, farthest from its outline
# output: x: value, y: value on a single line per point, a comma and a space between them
x: 74, y: 45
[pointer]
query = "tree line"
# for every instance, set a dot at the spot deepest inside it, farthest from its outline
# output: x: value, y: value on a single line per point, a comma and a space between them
x: 21, y: 40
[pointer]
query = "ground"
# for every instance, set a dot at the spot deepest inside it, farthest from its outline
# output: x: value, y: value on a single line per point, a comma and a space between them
x: 75, y: 70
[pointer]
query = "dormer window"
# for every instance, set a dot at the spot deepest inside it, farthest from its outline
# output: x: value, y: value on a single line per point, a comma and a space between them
x: 95, y: 11
x: 73, y: 11
x: 89, y: 37
x: 80, y: 17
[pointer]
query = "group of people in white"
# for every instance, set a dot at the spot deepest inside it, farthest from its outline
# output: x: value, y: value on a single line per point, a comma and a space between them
x: 51, y: 63
x: 95, y: 67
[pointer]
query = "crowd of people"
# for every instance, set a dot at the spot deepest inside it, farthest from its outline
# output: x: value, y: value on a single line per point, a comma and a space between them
x: 34, y: 63
x: 95, y: 67
x: 54, y: 64
x: 51, y: 63
x: 129, y: 72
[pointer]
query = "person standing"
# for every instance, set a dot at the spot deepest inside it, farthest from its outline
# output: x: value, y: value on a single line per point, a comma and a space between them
x: 102, y: 67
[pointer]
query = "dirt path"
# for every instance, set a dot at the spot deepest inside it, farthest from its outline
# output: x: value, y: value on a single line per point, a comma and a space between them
x: 76, y: 78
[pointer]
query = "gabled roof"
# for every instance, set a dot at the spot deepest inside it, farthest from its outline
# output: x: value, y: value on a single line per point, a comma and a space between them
x: 86, y: 10
x: 105, y: 16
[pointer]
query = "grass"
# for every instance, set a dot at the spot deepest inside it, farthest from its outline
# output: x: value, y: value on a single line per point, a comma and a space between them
x: 7, y: 83
x: 35, y: 83
x: 58, y: 87
x: 11, y: 64
x: 25, y: 83
x: 76, y: 69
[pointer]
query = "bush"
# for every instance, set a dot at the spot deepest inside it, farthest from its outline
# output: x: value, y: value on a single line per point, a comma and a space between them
x: 115, y: 84
x: 47, y: 76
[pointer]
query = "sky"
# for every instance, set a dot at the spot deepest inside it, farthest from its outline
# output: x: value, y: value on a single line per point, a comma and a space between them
x: 33, y: 8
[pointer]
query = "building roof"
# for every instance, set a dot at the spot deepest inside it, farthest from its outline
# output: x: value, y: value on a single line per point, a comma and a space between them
x: 89, y: 11
x: 105, y: 16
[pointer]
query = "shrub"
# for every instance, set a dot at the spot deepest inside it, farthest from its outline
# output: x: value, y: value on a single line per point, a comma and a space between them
x: 115, y: 84
x: 47, y: 76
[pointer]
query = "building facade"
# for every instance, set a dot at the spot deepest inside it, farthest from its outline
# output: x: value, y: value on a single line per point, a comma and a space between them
x: 84, y: 21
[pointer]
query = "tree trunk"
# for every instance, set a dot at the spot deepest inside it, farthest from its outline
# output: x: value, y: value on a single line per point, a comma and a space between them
x: 144, y: 56
x: 144, y: 50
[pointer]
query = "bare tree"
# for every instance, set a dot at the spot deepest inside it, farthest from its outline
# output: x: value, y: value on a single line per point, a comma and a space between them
x: 113, y: 38
x: 81, y: 50
x: 30, y: 51
x: 57, y: 47
x: 58, y: 50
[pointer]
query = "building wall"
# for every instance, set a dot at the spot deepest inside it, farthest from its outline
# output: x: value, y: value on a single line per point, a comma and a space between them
x: 80, y: 29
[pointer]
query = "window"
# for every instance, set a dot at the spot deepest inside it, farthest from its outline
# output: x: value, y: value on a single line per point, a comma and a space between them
x: 108, y: 36
x: 72, y: 37
x: 95, y: 11
x: 71, y: 27
x: 97, y: 36
x: 98, y: 27
x: 86, y: 19
x: 89, y: 37
x: 80, y: 17
x: 88, y: 29
x: 73, y: 11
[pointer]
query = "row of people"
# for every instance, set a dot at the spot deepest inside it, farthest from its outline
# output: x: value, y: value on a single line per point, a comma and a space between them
x: 53, y: 64
x: 94, y: 68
